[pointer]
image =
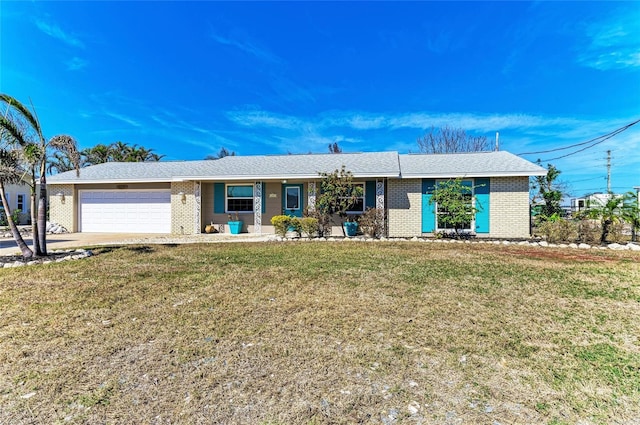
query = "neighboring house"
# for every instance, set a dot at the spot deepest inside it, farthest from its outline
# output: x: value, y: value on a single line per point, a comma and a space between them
x: 18, y: 197
x: 184, y: 197
x: 597, y: 199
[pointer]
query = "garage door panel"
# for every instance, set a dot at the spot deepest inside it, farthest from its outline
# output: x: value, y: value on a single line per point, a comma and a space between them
x: 125, y: 212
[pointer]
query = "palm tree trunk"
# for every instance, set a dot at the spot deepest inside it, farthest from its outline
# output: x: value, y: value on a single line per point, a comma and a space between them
x: 42, y: 214
x: 26, y: 251
x: 34, y: 217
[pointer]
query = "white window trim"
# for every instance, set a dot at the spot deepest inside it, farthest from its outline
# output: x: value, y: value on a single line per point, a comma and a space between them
x: 299, y: 207
x: 24, y: 201
x: 226, y: 198
x: 472, y: 224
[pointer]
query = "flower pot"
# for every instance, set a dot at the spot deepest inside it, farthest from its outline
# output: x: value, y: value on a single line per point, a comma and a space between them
x: 234, y: 227
x: 351, y: 228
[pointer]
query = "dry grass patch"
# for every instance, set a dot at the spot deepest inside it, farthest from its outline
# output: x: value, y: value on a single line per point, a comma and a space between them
x: 322, y: 333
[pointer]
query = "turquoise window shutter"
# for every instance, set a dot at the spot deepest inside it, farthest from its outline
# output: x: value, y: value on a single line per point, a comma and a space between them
x: 218, y: 198
x: 482, y: 192
x: 370, y: 194
x: 428, y: 210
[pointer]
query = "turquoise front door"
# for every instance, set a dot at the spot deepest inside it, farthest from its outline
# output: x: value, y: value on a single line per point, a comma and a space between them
x: 292, y: 200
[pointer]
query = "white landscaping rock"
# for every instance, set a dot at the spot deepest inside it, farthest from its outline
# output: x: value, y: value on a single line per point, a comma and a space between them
x: 584, y: 246
x: 633, y: 247
x: 616, y: 246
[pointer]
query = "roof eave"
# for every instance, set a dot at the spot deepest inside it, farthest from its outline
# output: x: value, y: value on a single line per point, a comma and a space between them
x: 110, y: 181
x: 468, y: 175
x: 278, y: 177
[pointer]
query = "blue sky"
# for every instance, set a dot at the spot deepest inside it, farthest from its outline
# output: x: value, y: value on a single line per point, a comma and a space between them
x: 186, y: 78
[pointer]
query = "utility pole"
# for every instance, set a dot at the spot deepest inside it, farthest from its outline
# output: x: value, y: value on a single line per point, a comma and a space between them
x: 609, y: 171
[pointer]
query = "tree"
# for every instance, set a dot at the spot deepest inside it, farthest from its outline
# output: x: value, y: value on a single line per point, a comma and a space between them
x: 221, y: 154
x: 549, y: 193
x: 631, y: 213
x: 451, y: 140
x: 35, y: 153
x: 98, y: 154
x: 455, y: 206
x: 334, y: 148
x: 338, y: 194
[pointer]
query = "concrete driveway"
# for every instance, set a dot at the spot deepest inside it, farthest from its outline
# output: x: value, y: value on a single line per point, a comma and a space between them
x: 76, y: 240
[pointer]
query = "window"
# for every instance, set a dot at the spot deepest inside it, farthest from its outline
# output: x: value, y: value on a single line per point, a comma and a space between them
x: 358, y: 207
x: 20, y: 202
x: 441, y: 211
x: 292, y: 201
x: 239, y: 198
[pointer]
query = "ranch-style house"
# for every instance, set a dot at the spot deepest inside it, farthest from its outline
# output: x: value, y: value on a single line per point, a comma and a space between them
x: 183, y: 197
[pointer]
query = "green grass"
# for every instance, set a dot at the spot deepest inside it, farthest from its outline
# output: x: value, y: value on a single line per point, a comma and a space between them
x: 313, y: 333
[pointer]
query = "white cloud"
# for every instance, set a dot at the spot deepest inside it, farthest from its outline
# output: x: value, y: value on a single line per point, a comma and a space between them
x: 75, y: 64
x: 123, y: 118
x: 247, y: 46
x: 615, y: 43
x: 55, y: 31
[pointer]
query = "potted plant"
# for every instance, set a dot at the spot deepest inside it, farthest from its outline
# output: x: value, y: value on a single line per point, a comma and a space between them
x: 351, y: 226
x: 235, y: 224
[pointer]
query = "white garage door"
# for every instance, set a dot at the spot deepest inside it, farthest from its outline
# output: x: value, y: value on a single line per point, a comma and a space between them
x: 125, y: 211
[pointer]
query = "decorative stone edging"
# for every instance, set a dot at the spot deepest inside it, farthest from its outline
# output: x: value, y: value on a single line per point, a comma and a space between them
x: 613, y: 246
x: 56, y: 256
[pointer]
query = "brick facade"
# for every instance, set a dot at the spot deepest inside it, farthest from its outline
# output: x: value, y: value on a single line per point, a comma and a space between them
x: 509, y: 215
x: 509, y: 207
x: 183, y: 209
x: 63, y: 211
x: 404, y: 199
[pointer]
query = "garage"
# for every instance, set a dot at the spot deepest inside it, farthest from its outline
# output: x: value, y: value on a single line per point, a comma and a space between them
x: 125, y: 211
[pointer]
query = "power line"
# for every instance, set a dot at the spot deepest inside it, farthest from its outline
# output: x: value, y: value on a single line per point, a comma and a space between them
x: 591, y: 143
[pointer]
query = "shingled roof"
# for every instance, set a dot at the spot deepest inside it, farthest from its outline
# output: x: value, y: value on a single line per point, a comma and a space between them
x: 476, y: 164
x: 270, y: 167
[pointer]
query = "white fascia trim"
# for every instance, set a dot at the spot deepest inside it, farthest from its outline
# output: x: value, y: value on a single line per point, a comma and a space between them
x: 109, y: 181
x: 277, y: 177
x: 455, y: 175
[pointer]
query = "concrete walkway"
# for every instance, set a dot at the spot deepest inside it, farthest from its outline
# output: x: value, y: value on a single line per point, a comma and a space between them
x: 83, y: 240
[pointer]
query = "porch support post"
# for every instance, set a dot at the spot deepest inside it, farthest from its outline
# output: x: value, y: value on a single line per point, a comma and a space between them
x: 380, y: 204
x: 257, y: 207
x: 311, y: 197
x: 197, y: 225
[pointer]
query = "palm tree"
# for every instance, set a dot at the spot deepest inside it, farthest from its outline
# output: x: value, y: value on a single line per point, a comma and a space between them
x: 11, y: 172
x: 37, y: 154
x: 98, y: 154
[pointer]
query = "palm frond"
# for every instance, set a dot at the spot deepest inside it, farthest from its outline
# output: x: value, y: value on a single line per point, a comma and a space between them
x: 11, y: 132
x: 10, y: 166
x: 68, y: 146
x: 23, y: 111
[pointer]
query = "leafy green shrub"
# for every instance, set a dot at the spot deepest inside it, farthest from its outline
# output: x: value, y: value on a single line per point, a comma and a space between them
x: 559, y: 230
x: 309, y: 226
x: 285, y: 223
x: 281, y: 224
x: 15, y: 215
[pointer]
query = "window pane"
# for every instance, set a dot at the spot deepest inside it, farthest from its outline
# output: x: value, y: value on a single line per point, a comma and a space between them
x: 239, y: 205
x: 293, y: 198
x: 358, y: 206
x: 240, y: 191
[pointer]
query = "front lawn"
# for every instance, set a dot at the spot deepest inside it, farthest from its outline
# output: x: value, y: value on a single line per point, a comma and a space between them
x: 311, y: 333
